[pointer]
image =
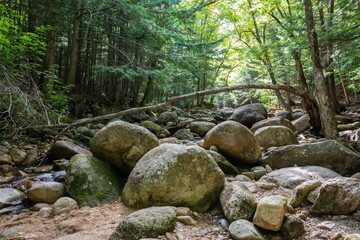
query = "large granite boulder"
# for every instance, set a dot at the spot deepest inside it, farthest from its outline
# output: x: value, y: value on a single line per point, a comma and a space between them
x: 122, y: 144
x: 330, y: 154
x: 275, y: 136
x: 339, y: 195
x: 293, y: 176
x: 249, y: 114
x: 237, y: 202
x: 91, y: 181
x: 176, y: 175
x: 201, y: 128
x: 146, y: 223
x: 234, y: 141
x: 65, y: 149
x: 275, y: 121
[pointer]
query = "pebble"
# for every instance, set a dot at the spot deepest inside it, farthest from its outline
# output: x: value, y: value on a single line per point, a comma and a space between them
x: 44, y: 212
x: 183, y: 211
x: 268, y: 169
x: 187, y: 220
x: 314, y: 234
x: 250, y: 175
x: 224, y: 224
x: 336, y: 236
x: 356, y: 216
x: 181, y: 236
x: 43, y: 169
x: 203, y: 232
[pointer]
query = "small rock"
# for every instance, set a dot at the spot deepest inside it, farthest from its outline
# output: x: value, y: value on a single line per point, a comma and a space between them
x: 224, y: 224
x: 293, y: 228
x: 183, y: 134
x: 62, y: 205
x: 17, y: 155
x: 311, y: 197
x: 180, y: 236
x: 268, y: 169
x: 9, y: 195
x: 183, y: 211
x: 356, y: 216
x: 314, y: 234
x: 203, y: 232
x: 250, y: 175
x: 31, y: 158
x: 44, y: 212
x: 326, y: 225
x: 214, y: 148
x: 10, y: 231
x: 336, y: 236
x: 5, y: 159
x: 352, y: 237
x: 46, y: 168
x: 243, y: 229
x: 61, y: 163
x: 187, y: 220
x: 301, y: 191
x: 39, y: 206
x: 259, y: 174
x: 356, y: 175
x: 270, y: 212
x: 242, y: 178
x: 265, y: 185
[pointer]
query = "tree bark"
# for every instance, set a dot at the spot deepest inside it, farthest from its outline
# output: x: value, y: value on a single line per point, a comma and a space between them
x: 75, y: 45
x: 327, y: 115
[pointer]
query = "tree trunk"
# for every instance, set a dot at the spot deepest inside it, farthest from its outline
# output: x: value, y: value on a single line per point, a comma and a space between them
x: 75, y: 45
x: 327, y: 115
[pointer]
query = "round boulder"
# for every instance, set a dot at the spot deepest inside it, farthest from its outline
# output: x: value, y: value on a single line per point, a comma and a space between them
x: 234, y: 141
x: 276, y: 121
x: 152, y: 127
x: 249, y: 114
x: 275, y: 136
x: 122, y: 144
x: 91, y: 181
x: 46, y: 192
x: 174, y: 175
x: 201, y: 128
x: 62, y: 205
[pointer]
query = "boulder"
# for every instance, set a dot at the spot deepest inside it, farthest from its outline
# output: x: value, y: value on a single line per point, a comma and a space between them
x: 340, y: 195
x: 122, y: 144
x: 65, y: 149
x: 46, y: 192
x: 31, y: 158
x: 152, y: 127
x: 293, y: 228
x: 276, y: 121
x: 174, y: 175
x: 183, y: 134
x: 224, y: 164
x: 302, y: 123
x: 17, y: 155
x: 91, y: 181
x: 201, y: 128
x: 234, y: 141
x: 286, y: 115
x: 293, y: 176
x: 330, y: 154
x: 249, y: 114
x: 275, y: 136
x: 237, y: 202
x: 226, y: 112
x: 244, y: 230
x: 62, y: 205
x: 168, y: 117
x: 9, y: 195
x: 146, y: 223
x: 270, y: 212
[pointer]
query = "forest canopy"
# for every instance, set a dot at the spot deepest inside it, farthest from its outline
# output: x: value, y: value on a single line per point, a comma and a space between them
x: 75, y: 57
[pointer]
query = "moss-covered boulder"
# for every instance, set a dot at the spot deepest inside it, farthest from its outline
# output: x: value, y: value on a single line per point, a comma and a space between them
x: 176, y: 175
x: 152, y: 127
x: 122, y: 144
x: 91, y: 181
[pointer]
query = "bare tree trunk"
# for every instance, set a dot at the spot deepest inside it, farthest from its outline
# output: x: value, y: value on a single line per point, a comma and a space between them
x: 327, y: 115
x: 75, y: 45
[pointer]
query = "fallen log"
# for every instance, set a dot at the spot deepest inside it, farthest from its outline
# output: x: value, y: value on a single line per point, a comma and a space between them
x: 168, y: 102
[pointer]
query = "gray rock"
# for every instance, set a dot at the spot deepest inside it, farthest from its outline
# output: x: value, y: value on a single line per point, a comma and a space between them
x: 91, y: 181
x: 237, y: 202
x: 275, y: 136
x: 294, y: 176
x: 276, y: 121
x: 122, y: 145
x: 311, y: 197
x: 174, y: 175
x: 340, y: 195
x: 301, y: 191
x: 62, y: 205
x: 201, y: 128
x: 293, y: 228
x: 152, y: 127
x: 31, y: 158
x: 17, y: 155
x: 249, y: 114
x: 168, y: 117
x: 44, y: 212
x: 234, y: 141
x: 9, y: 195
x: 146, y: 223
x: 224, y: 224
x: 65, y: 149
x: 183, y: 134
x: 330, y: 154
x: 286, y: 115
x: 226, y: 112
x: 224, y: 164
x: 46, y: 192
x: 270, y: 212
x: 302, y: 123
x: 3, y: 150
x: 244, y: 230
x: 187, y: 220
x: 242, y: 178
x: 12, y: 230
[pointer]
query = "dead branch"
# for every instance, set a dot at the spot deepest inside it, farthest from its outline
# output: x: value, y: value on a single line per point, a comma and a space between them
x: 169, y: 101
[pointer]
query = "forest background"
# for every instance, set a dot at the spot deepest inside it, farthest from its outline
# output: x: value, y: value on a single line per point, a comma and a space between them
x: 101, y: 56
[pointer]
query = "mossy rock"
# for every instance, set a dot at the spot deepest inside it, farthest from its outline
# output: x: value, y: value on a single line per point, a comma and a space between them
x: 91, y: 181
